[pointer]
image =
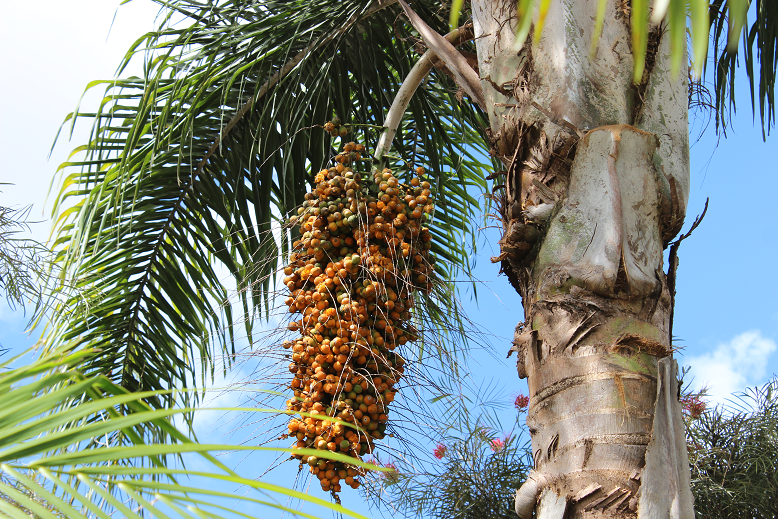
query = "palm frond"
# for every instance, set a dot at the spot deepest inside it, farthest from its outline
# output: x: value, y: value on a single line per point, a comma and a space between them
x: 718, y: 22
x: 22, y: 261
x: 47, y: 471
x: 759, y: 51
x: 194, y: 167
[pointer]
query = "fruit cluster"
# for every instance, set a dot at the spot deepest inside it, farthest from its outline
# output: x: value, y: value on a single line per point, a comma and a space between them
x: 363, y: 253
x: 335, y: 129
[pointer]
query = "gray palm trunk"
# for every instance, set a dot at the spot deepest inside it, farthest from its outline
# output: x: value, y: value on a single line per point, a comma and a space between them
x: 596, y: 182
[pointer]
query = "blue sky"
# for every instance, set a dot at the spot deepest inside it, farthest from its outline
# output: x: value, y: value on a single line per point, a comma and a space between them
x: 726, y: 317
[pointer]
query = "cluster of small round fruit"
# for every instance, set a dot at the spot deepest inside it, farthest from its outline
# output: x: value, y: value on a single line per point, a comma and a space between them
x: 362, y: 253
x: 335, y: 129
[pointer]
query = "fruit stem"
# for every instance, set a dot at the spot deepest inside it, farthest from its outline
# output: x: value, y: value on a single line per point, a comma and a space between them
x: 406, y: 91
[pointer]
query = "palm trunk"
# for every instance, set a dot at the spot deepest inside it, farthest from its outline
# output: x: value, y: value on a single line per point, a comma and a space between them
x: 596, y: 178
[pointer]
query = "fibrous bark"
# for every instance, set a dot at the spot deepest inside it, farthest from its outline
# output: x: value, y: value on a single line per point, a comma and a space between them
x: 596, y: 177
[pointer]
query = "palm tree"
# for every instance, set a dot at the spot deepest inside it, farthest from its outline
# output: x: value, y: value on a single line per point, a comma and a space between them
x: 199, y: 162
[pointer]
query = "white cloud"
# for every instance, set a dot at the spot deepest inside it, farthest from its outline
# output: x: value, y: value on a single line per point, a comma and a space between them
x: 732, y: 366
x: 206, y: 421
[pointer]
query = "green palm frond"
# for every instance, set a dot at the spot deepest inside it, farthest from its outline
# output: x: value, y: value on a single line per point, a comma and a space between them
x: 45, y: 469
x: 674, y: 12
x: 193, y: 168
x: 758, y: 49
x: 718, y: 22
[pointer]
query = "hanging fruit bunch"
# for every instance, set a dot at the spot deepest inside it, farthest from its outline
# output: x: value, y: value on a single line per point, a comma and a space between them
x: 362, y: 254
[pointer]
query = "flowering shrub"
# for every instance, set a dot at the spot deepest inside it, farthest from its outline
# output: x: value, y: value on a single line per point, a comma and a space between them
x: 693, y: 406
x: 476, y: 478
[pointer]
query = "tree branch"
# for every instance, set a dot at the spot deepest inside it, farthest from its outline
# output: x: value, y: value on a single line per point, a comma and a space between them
x: 465, y: 76
x: 409, y: 86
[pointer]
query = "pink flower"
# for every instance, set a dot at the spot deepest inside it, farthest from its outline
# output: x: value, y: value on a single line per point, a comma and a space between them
x: 497, y: 444
x: 693, y: 405
x: 522, y: 402
x: 440, y: 451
